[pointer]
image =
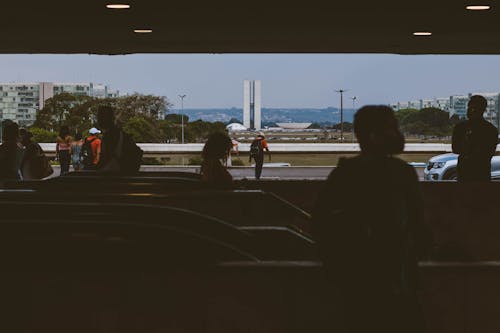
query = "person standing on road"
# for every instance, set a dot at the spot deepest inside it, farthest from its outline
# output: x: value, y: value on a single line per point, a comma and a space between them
x: 257, y: 153
x: 369, y: 230
x: 475, y: 141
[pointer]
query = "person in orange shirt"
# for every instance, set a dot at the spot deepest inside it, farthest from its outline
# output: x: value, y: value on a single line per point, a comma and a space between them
x: 91, y: 150
x: 257, y: 153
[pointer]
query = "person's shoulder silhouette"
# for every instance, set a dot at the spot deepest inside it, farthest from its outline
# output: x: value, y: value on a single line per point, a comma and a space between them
x: 368, y: 226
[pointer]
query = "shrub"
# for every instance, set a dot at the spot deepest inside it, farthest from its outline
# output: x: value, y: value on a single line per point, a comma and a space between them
x: 42, y: 135
x: 152, y: 161
x: 195, y: 161
x: 237, y: 162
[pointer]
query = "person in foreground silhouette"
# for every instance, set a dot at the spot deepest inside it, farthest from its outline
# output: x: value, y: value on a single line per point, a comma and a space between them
x: 368, y: 224
x: 475, y: 140
x: 119, y: 153
x: 11, y: 152
x: 213, y: 172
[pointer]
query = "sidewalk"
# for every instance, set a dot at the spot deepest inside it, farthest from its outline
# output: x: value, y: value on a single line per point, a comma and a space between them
x: 248, y: 172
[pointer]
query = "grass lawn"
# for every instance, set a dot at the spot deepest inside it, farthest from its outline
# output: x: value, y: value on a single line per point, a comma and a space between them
x: 293, y: 159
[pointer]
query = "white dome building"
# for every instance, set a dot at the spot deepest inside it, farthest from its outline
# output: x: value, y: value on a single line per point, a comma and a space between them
x: 235, y: 127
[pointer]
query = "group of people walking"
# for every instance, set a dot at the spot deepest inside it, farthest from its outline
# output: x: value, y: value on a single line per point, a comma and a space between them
x: 115, y: 152
x: 83, y: 154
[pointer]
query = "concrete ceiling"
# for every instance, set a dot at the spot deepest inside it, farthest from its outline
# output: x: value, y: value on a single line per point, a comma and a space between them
x: 221, y: 26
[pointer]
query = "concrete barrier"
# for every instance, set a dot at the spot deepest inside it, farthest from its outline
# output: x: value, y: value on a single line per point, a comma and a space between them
x: 191, y: 148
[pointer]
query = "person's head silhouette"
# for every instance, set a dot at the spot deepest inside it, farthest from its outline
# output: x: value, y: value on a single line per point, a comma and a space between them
x: 106, y: 117
x: 217, y: 147
x: 377, y: 131
x: 64, y: 131
x: 476, y: 107
x: 10, y: 131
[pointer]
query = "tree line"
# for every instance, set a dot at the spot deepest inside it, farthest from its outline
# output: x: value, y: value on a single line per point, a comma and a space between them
x: 426, y: 122
x: 139, y: 115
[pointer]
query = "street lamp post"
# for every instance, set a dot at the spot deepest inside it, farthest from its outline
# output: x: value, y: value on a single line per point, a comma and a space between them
x: 182, y: 116
x: 341, y: 91
x: 353, y: 109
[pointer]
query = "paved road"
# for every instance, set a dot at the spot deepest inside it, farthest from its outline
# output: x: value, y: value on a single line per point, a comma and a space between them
x: 267, y: 173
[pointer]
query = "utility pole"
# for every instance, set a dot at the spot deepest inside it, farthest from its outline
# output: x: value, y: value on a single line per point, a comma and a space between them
x: 182, y: 116
x: 341, y: 91
x: 353, y: 109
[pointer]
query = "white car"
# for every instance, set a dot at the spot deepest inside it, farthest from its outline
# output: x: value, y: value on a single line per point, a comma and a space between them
x: 444, y: 167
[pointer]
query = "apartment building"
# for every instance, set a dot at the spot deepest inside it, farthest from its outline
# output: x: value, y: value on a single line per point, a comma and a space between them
x: 21, y: 101
x: 456, y: 105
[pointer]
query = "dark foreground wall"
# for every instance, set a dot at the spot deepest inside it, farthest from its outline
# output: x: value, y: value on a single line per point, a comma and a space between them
x: 464, y: 218
x: 272, y: 297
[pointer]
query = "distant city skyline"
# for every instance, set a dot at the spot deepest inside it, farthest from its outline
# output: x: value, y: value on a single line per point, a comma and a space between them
x: 288, y: 80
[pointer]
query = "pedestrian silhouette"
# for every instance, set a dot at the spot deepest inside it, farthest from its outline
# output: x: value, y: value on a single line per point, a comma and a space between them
x: 213, y: 172
x: 35, y: 164
x: 90, y: 150
x: 11, y: 152
x: 119, y: 152
x: 368, y: 224
x: 257, y: 147
x: 76, y: 149
x: 475, y: 141
x: 63, y: 149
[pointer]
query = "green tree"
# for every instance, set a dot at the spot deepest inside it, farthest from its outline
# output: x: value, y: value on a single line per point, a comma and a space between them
x: 199, y: 130
x: 80, y: 113
x: 404, y: 114
x: 143, y: 130
x: 347, y: 126
x: 58, y: 110
x: 43, y: 135
x: 428, y: 121
x: 176, y: 118
x: 148, y: 106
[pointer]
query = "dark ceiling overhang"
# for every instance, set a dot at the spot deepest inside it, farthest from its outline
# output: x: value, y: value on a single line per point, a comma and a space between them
x: 314, y: 26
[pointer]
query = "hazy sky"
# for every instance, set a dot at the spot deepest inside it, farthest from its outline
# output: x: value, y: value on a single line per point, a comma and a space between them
x: 288, y: 80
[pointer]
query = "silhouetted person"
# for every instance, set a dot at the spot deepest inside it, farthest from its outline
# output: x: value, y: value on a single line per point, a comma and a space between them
x: 213, y: 172
x: 475, y: 140
x: 90, y: 150
x: 119, y: 153
x: 11, y: 152
x: 257, y: 148
x: 63, y: 149
x: 76, y: 149
x: 368, y: 224
x: 35, y: 165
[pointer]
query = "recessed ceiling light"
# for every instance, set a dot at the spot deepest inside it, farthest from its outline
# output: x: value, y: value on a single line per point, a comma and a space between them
x: 477, y: 7
x: 143, y: 31
x: 422, y: 33
x: 118, y: 6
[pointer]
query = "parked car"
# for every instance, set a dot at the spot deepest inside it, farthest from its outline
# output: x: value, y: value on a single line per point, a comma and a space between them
x: 444, y: 167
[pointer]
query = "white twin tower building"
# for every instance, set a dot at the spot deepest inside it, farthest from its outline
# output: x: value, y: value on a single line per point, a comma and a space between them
x: 252, y: 103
